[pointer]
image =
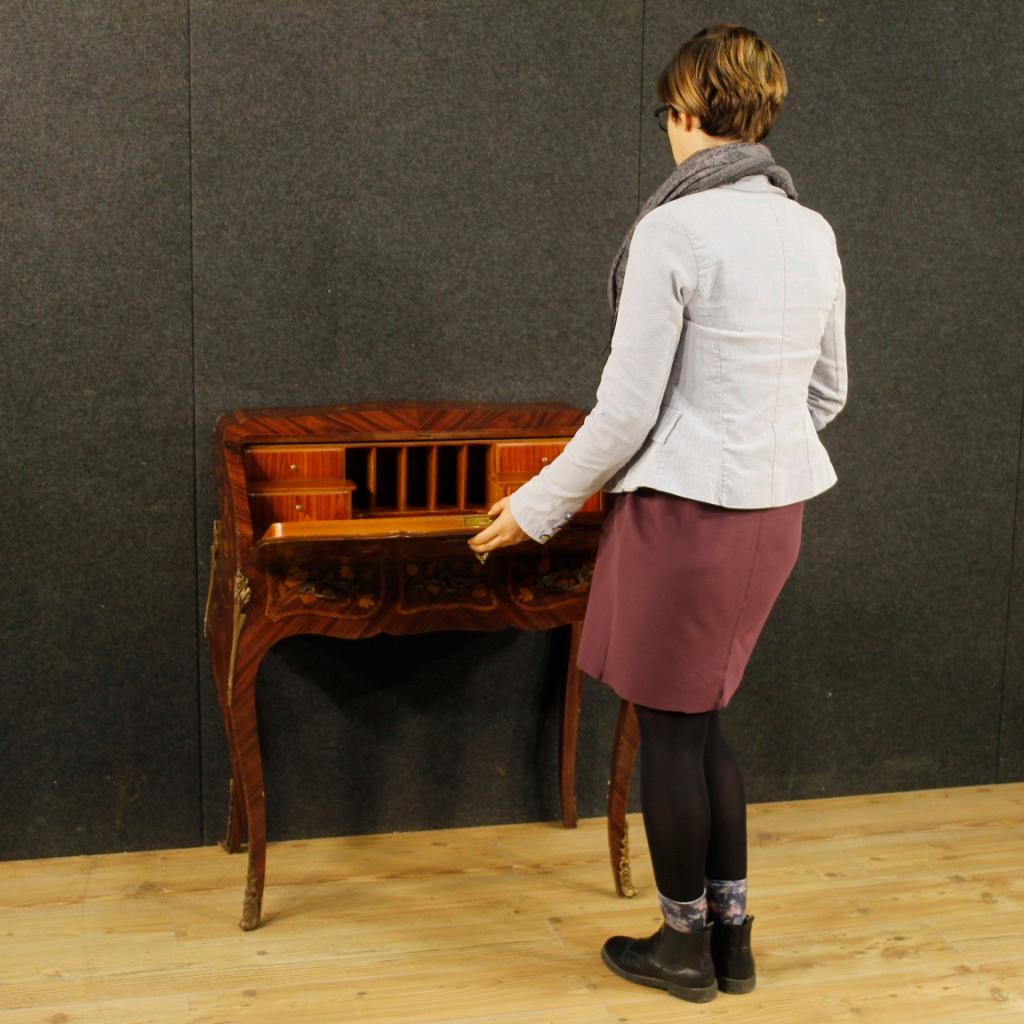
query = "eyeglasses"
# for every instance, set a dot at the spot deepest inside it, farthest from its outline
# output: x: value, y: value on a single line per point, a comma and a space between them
x: 661, y: 116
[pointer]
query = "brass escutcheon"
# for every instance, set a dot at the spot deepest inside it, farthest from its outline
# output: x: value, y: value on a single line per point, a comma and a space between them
x: 479, y: 522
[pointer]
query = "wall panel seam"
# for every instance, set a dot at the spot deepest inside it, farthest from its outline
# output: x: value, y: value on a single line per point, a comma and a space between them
x: 640, y: 118
x: 1004, y: 680
x: 195, y: 437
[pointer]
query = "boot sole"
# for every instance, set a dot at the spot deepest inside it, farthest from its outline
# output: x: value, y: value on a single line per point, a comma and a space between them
x: 690, y: 994
x: 737, y: 986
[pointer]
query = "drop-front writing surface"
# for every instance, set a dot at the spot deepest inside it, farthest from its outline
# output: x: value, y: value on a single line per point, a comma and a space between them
x: 386, y: 489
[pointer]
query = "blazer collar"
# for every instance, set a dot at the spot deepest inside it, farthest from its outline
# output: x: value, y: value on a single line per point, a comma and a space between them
x: 754, y: 183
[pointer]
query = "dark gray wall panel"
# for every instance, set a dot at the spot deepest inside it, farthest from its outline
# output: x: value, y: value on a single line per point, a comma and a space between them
x: 420, y: 200
x: 881, y: 668
x: 401, y: 202
x: 99, y: 645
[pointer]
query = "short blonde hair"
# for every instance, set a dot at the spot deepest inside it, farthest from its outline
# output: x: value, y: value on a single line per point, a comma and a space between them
x: 729, y: 78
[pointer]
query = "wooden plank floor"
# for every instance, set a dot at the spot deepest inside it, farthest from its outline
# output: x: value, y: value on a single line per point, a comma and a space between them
x: 896, y: 908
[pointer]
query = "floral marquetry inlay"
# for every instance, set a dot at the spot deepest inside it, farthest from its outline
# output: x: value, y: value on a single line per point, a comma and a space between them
x: 549, y: 579
x: 434, y: 582
x: 352, y: 589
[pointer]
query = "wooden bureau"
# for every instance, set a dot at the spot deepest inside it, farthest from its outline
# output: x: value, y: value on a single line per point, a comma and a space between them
x: 352, y: 520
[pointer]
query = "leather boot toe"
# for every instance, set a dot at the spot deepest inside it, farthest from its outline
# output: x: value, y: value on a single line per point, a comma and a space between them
x: 678, y: 962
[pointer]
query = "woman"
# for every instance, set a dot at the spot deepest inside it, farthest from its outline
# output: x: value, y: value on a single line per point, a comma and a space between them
x: 727, y: 357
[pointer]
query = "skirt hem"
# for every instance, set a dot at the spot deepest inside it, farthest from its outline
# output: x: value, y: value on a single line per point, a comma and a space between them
x: 620, y: 691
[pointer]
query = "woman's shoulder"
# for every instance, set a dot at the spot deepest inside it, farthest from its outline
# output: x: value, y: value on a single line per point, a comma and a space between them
x: 718, y: 209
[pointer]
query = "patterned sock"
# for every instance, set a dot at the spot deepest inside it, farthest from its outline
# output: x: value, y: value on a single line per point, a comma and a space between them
x: 685, y: 916
x: 727, y: 899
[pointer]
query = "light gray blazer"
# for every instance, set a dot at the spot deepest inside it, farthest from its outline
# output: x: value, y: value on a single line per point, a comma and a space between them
x: 728, y: 357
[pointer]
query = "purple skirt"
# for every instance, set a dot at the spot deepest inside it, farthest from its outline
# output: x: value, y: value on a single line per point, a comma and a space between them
x: 680, y: 591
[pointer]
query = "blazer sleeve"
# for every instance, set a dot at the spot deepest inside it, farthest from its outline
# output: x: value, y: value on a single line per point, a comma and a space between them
x: 661, y: 276
x: 826, y: 393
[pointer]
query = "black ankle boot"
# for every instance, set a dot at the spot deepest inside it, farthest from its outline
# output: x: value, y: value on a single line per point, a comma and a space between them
x: 679, y: 962
x: 733, y: 957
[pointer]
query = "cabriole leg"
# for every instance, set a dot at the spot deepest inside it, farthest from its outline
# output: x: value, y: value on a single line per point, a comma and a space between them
x: 627, y: 741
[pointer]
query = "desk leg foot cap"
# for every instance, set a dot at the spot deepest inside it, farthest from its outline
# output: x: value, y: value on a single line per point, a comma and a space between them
x: 250, y: 911
x: 250, y: 920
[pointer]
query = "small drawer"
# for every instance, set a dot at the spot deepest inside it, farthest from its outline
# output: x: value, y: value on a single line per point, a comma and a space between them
x: 280, y: 501
x: 279, y: 507
x: 525, y: 458
x: 293, y: 462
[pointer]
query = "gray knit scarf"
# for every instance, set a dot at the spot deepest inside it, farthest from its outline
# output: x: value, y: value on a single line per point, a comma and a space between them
x: 716, y: 165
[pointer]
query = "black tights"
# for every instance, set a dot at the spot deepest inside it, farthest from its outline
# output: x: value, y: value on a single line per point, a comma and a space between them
x: 693, y: 799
